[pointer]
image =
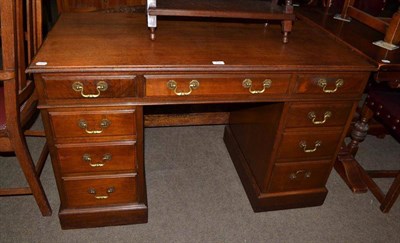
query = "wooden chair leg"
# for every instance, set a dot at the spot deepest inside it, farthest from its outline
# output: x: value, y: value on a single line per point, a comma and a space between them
x: 42, y: 160
x: 346, y: 165
x: 391, y: 195
x: 29, y: 170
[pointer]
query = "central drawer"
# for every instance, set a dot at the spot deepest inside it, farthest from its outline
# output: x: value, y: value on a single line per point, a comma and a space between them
x: 330, y: 83
x: 93, y: 122
x: 183, y: 85
x: 100, y: 191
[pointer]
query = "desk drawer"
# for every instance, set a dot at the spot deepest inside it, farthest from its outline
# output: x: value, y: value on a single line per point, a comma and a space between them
x: 100, y: 191
x: 343, y: 83
x: 218, y: 85
x: 79, y: 87
x: 318, y: 115
x: 299, y: 176
x: 93, y: 122
x: 318, y: 144
x: 97, y: 157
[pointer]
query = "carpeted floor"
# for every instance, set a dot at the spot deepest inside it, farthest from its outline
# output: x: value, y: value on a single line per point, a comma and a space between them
x: 195, y: 195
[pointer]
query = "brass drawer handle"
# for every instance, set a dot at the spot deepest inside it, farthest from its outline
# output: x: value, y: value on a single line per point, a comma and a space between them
x: 100, y: 86
x: 323, y: 83
x: 312, y: 116
x: 247, y: 83
x: 295, y: 175
x: 303, y: 145
x: 172, y: 85
x: 101, y: 197
x: 103, y: 124
x: 88, y: 158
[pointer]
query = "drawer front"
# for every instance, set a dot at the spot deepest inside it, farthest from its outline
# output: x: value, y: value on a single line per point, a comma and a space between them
x: 299, y: 176
x: 308, y: 145
x: 219, y: 85
x: 76, y: 87
x: 352, y: 83
x: 318, y: 115
x: 108, y: 190
x: 97, y: 157
x: 93, y: 123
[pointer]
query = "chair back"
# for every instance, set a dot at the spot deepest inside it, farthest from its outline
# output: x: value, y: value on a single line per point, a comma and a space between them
x: 20, y: 40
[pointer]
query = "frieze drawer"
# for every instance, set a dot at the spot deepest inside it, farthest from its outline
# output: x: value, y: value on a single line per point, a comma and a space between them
x: 97, y: 157
x: 100, y: 191
x: 78, y: 87
x: 343, y: 83
x: 217, y: 85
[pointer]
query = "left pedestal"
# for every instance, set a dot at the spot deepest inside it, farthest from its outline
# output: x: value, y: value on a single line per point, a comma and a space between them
x: 96, y: 147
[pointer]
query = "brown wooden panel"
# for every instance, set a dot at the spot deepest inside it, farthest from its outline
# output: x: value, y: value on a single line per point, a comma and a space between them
x: 210, y: 118
x: 78, y: 190
x: 255, y: 130
x: 61, y: 87
x: 90, y: 5
x: 67, y: 123
x: 299, y: 176
x: 352, y: 83
x: 104, y: 157
x: 290, y: 148
x: 216, y: 85
x: 303, y: 114
x: 103, y: 216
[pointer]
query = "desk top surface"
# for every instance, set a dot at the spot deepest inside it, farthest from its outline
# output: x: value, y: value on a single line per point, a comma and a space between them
x: 121, y: 42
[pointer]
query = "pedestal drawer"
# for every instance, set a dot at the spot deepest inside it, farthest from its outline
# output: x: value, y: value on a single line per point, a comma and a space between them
x: 299, y: 176
x: 93, y: 123
x: 216, y: 85
x: 318, y: 115
x: 317, y: 144
x: 100, y: 190
x: 86, y: 87
x: 97, y: 157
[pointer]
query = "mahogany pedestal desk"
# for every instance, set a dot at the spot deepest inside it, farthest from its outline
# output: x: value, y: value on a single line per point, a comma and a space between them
x: 290, y: 106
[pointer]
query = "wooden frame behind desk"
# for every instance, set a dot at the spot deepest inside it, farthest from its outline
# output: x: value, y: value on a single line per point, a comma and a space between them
x: 287, y: 108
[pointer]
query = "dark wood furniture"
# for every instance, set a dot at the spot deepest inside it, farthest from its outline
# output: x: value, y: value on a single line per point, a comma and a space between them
x: 390, y: 27
x: 65, y: 6
x: 239, y: 9
x: 359, y: 37
x: 18, y: 99
x: 383, y: 103
x: 99, y: 78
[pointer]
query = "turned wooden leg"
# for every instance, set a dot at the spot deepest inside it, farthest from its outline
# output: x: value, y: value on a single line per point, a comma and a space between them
x: 346, y: 165
x: 286, y: 28
x: 152, y: 33
x: 360, y: 130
